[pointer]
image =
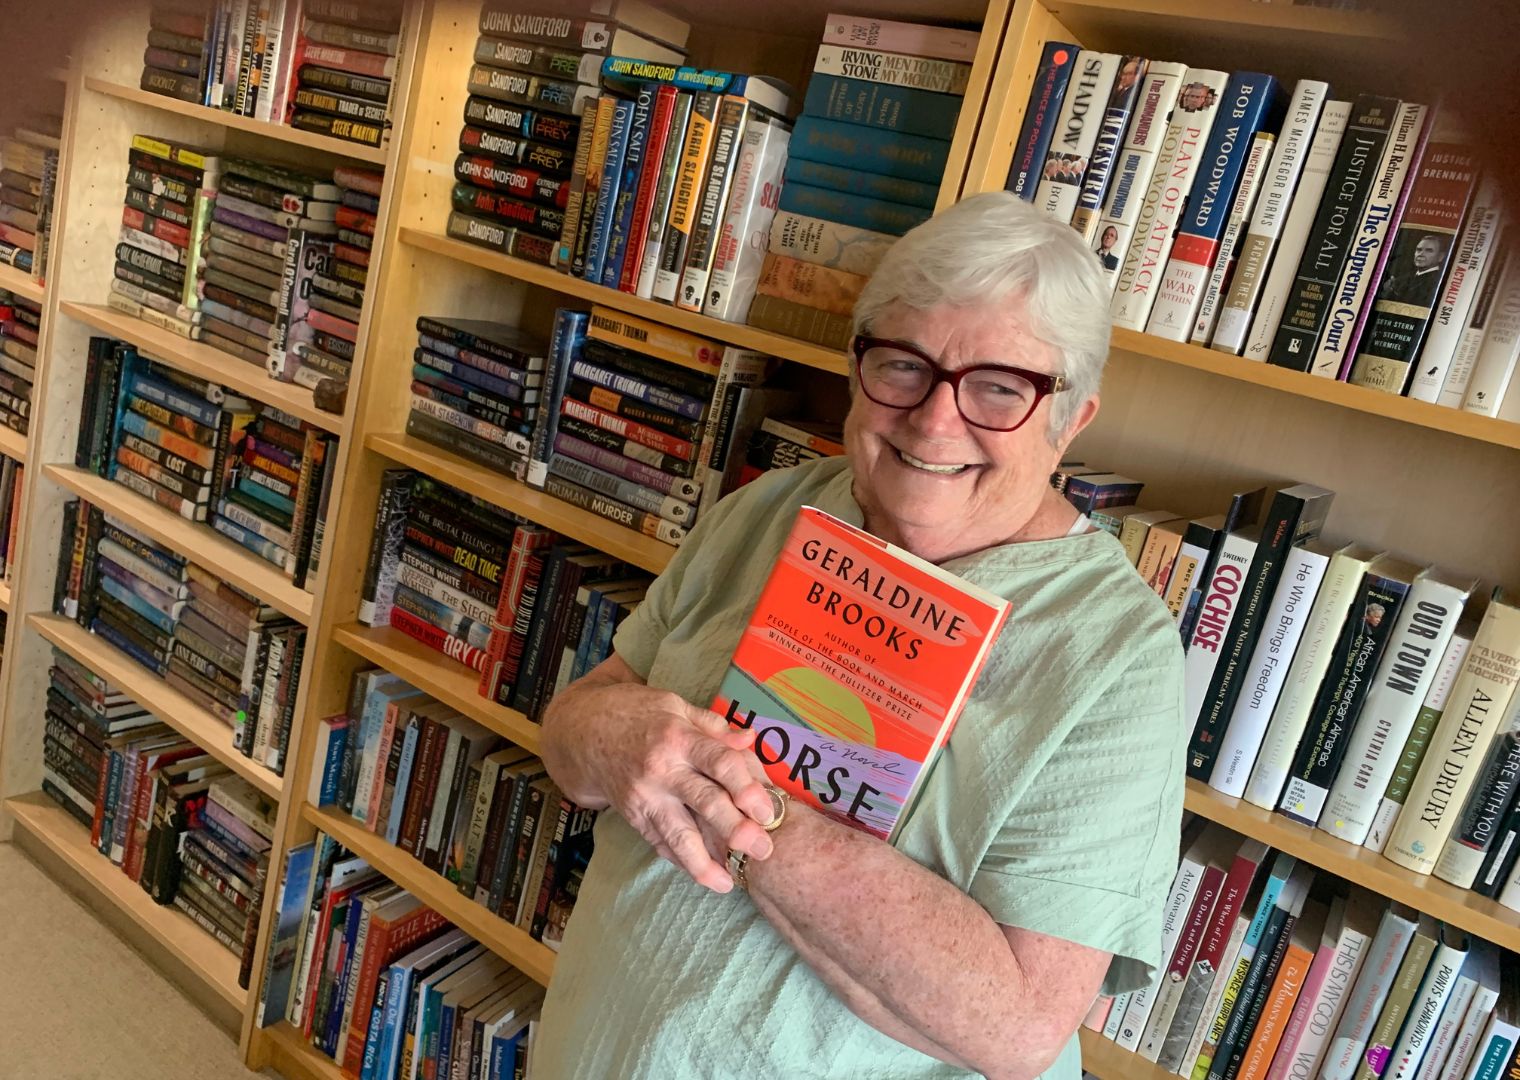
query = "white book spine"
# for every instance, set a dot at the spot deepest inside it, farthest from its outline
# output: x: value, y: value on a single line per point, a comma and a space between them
x: 1291, y: 607
x: 1404, y: 676
x: 1295, y: 229
x: 747, y: 222
x: 1178, y: 906
x: 1425, y: 1011
x: 1495, y: 1049
x: 1224, y: 259
x: 1216, y: 992
x: 1474, y: 249
x: 1366, y: 246
x: 1266, y: 223
x: 1077, y: 130
x: 895, y: 69
x: 1435, y: 700
x: 1176, y: 165
x: 276, y: 44
x: 1218, y: 608
x: 1296, y: 698
x: 1464, y: 1043
x: 1442, y: 1041
x: 1461, y: 860
x: 1495, y: 363
x: 1367, y: 996
x: 1135, y: 165
x: 1115, y: 1016
x: 1465, y: 357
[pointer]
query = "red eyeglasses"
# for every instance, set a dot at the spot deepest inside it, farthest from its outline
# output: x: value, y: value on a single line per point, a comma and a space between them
x: 994, y: 397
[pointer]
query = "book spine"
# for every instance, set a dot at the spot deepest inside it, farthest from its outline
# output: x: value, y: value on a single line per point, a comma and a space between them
x: 1077, y: 131
x: 1322, y: 1006
x: 729, y: 124
x: 664, y: 194
x: 620, y: 213
x: 648, y: 524
x: 1368, y: 254
x: 696, y: 152
x: 932, y: 42
x: 1401, y: 999
x: 1342, y: 695
x: 880, y: 105
x: 1493, y: 366
x: 1210, y: 636
x: 623, y: 113
x: 873, y: 215
x: 911, y: 157
x: 1484, y: 811
x: 1039, y: 127
x: 1425, y: 1012
x: 746, y: 227
x: 663, y: 143
x: 1409, y: 667
x: 1224, y: 259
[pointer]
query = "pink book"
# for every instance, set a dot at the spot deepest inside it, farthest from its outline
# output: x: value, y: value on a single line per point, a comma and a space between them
x: 1097, y: 1016
x: 938, y: 42
x: 1308, y: 996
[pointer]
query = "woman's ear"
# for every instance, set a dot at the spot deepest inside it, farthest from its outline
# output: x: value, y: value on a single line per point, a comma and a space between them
x: 1084, y: 416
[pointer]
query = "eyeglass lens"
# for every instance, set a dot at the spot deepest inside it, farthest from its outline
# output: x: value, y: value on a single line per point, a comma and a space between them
x: 994, y: 399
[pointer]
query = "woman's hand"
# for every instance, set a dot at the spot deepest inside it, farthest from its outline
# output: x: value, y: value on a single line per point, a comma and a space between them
x: 665, y: 765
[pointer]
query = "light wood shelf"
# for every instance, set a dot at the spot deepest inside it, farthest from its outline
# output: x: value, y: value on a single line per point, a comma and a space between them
x: 1232, y: 14
x: 295, y: 1058
x: 197, y: 541
x: 18, y: 281
x: 12, y: 444
x: 155, y: 695
x: 452, y: 683
x: 747, y: 337
x: 539, y: 506
x: 1103, y: 1058
x: 1343, y: 395
x: 1361, y: 866
x: 5, y: 597
x: 205, y: 362
x: 532, y: 958
x: 309, y: 140
x: 50, y: 825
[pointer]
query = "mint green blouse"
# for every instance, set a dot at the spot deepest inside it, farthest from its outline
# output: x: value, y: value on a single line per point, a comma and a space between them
x: 1056, y: 805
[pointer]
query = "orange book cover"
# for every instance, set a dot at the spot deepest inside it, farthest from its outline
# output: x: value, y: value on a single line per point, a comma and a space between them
x: 856, y: 662
x: 1291, y: 974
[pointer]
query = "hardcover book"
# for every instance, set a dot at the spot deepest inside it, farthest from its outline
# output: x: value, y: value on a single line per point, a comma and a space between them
x: 1092, y: 83
x: 854, y: 668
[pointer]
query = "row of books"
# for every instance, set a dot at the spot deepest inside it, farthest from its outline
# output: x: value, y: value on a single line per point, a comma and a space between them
x: 171, y: 816
x: 12, y: 473
x: 229, y: 654
x: 1270, y: 970
x: 28, y: 177
x: 508, y: 598
x: 20, y: 325
x: 1254, y: 256
x: 263, y: 262
x: 317, y: 65
x: 534, y: 74
x: 255, y: 474
x: 446, y: 790
x: 1336, y: 684
x: 865, y: 167
x: 384, y: 985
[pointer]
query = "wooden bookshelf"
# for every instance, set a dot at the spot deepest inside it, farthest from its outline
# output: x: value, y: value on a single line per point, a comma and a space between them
x: 204, y: 362
x: 1460, y: 907
x: 532, y: 958
x: 1486, y: 429
x: 305, y: 140
x: 452, y: 683
x: 21, y: 283
x: 5, y: 597
x: 12, y: 444
x: 545, y: 277
x: 294, y: 1058
x: 196, y: 540
x: 155, y: 695
x: 539, y: 506
x: 1103, y: 1058
x: 42, y: 822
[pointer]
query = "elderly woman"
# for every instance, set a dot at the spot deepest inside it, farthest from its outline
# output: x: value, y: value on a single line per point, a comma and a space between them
x: 1030, y: 876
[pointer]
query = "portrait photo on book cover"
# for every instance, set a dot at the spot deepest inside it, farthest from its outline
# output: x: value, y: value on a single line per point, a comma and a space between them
x: 1065, y: 168
x: 1195, y: 96
x: 1414, y: 273
x: 1105, y: 249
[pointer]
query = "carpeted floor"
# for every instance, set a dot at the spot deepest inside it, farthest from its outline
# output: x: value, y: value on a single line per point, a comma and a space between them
x: 76, y: 1003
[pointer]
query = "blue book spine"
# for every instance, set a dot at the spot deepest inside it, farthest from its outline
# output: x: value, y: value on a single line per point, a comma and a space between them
x: 503, y: 1053
x: 871, y: 185
x: 912, y: 157
x: 853, y: 210
x: 107, y: 631
x: 264, y: 495
x: 264, y: 549
x: 612, y: 179
x: 340, y: 981
x: 601, y: 644
x: 905, y: 110
x: 464, y: 373
x: 1100, y: 166
x: 117, y: 591
x: 284, y: 948
x: 372, y: 1030
x: 588, y: 632
x: 692, y: 408
x: 621, y: 214
x: 446, y: 1014
x: 151, y: 389
x: 390, y: 1031
x: 1040, y: 114
x: 403, y: 780
x: 564, y: 348
x: 332, y: 767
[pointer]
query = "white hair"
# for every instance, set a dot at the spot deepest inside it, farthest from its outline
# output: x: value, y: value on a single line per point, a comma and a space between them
x: 988, y: 247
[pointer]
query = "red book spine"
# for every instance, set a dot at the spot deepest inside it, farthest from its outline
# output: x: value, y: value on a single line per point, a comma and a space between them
x: 649, y: 179
x: 357, y: 220
x: 98, y: 824
x: 517, y: 641
x: 374, y: 65
x: 526, y: 539
x: 393, y: 940
x: 629, y: 429
x: 177, y: 235
x: 418, y: 800
x: 131, y: 858
x: 434, y: 638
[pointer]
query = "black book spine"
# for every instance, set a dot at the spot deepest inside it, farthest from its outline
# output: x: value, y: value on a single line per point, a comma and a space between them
x: 93, y: 359
x: 1488, y: 804
x: 1349, y: 678
x: 1333, y: 232
x: 1499, y: 862
x: 385, y: 545
x: 694, y: 383
x: 279, y: 738
x: 558, y: 574
x: 89, y: 590
x: 65, y: 554
x: 1238, y: 1029
x: 1293, y: 518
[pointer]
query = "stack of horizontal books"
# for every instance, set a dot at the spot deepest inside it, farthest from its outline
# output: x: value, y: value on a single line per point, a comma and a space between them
x: 343, y: 68
x: 28, y: 177
x: 20, y: 325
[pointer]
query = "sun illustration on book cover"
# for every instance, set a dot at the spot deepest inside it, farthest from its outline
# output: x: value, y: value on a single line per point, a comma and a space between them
x: 832, y: 709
